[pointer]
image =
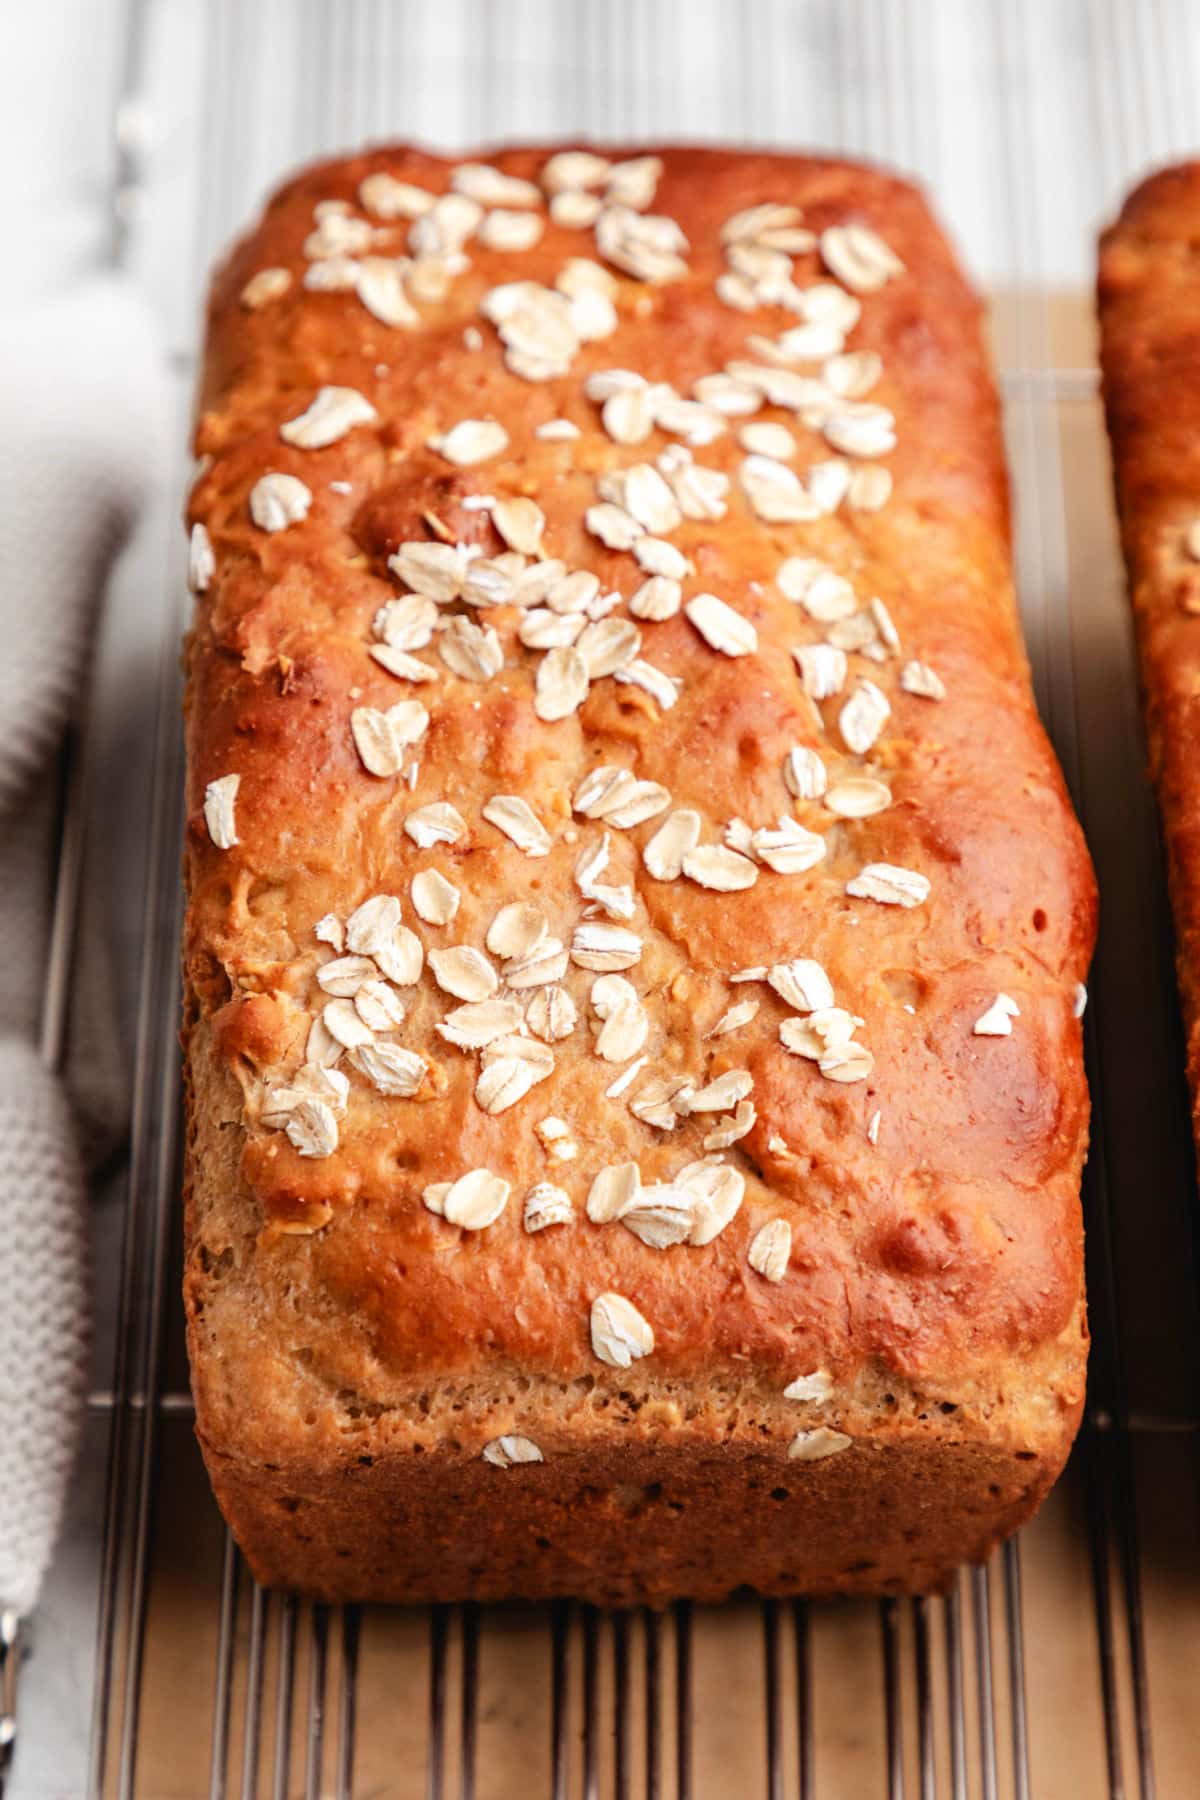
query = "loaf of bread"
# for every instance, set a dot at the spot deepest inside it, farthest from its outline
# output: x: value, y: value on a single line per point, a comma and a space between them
x: 637, y: 924
x: 1149, y: 295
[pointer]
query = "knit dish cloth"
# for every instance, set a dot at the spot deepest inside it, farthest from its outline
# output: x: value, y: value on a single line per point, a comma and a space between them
x: 80, y: 429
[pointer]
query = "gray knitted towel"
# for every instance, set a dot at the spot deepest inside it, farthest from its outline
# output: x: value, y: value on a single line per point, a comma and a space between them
x: 80, y: 428
x: 43, y: 1316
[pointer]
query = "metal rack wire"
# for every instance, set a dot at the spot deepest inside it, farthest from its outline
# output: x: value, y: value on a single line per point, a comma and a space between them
x: 295, y: 1698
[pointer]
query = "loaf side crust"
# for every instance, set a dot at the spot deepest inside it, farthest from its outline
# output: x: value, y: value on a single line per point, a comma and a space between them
x: 353, y: 1353
x: 1149, y: 303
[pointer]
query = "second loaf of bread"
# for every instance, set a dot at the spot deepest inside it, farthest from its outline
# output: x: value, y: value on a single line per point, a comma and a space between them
x: 636, y: 921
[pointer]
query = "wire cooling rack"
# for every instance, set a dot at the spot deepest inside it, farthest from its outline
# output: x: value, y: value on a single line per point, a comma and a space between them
x: 1067, y: 1666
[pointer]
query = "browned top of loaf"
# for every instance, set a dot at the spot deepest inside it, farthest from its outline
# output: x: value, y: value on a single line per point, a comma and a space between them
x: 1150, y: 354
x: 951, y: 1240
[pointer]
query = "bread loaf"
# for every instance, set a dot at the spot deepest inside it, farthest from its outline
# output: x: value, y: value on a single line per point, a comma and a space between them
x: 1150, y: 355
x: 636, y: 920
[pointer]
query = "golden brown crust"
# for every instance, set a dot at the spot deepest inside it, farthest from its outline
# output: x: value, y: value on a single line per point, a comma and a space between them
x: 936, y: 1274
x: 1149, y: 296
